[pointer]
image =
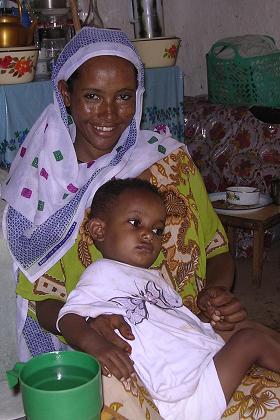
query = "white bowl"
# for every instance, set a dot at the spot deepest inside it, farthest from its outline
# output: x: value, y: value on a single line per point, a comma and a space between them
x: 243, y: 196
x: 18, y: 64
x: 158, y: 52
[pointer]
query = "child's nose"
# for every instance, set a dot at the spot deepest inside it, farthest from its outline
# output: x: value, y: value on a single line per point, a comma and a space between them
x: 146, y: 235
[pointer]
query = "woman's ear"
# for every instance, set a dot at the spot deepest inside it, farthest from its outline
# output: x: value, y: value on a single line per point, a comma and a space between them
x: 63, y: 88
x: 96, y: 228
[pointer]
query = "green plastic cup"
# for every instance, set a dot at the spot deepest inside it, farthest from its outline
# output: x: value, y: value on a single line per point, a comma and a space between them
x: 62, y: 385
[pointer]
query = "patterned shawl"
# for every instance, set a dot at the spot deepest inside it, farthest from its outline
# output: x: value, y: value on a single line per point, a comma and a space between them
x: 47, y: 190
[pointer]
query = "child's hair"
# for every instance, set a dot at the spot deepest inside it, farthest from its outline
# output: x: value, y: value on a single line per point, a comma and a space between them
x: 105, y: 197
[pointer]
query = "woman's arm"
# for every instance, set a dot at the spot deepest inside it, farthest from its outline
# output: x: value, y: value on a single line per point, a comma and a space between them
x: 104, y: 325
x: 47, y: 314
x: 220, y: 271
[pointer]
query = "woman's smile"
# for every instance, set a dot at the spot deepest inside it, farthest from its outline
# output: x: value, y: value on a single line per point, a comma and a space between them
x: 104, y: 129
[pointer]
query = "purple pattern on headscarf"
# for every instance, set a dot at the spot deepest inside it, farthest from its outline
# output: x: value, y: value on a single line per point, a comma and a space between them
x: 72, y: 188
x: 26, y: 192
x: 22, y: 151
x: 44, y: 173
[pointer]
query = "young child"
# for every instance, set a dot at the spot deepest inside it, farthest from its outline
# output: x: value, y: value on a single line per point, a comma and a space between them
x: 187, y: 367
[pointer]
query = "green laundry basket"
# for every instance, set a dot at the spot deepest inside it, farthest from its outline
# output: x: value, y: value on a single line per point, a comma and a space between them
x: 244, y: 81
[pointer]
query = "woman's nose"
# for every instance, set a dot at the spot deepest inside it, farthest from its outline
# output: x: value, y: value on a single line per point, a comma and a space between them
x: 108, y: 109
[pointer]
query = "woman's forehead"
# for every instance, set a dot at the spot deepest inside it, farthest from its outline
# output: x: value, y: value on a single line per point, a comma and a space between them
x: 108, y: 70
x: 108, y: 61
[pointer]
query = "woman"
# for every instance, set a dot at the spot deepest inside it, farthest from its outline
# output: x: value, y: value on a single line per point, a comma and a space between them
x: 63, y: 162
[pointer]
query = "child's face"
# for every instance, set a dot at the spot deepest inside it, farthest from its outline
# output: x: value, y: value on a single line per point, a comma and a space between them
x: 133, y: 231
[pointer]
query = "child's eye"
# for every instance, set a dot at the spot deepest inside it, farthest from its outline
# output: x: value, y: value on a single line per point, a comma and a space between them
x: 134, y: 222
x: 158, y: 231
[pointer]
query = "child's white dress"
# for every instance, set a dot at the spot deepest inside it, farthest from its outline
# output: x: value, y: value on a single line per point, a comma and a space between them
x: 173, y: 350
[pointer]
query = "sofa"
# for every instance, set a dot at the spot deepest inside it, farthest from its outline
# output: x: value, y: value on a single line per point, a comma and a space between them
x: 234, y: 145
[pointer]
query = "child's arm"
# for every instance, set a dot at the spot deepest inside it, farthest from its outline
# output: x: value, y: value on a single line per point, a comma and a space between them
x: 79, y: 335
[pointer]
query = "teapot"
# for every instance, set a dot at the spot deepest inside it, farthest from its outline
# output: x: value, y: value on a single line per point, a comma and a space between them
x: 13, y: 33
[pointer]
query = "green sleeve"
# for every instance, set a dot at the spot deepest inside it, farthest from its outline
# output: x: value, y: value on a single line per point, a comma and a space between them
x: 210, y: 225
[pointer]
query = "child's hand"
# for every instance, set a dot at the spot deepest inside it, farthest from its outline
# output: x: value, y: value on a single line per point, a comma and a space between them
x: 205, y: 304
x: 216, y: 302
x: 211, y: 314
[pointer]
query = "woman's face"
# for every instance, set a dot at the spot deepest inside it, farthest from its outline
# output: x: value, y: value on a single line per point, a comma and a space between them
x: 102, y: 104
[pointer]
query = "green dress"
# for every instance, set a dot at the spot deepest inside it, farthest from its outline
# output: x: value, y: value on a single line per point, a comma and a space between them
x: 193, y: 233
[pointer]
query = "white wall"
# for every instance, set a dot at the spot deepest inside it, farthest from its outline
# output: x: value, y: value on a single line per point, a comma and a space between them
x: 199, y: 23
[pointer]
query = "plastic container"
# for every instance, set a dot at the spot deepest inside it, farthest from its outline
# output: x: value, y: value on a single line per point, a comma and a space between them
x: 241, y: 80
x: 62, y: 385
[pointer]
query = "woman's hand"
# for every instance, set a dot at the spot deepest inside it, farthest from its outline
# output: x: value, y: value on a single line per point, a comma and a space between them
x: 105, y: 326
x: 114, y: 360
x: 220, y: 307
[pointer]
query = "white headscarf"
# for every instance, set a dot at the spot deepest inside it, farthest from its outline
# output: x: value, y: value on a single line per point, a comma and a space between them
x: 47, y: 190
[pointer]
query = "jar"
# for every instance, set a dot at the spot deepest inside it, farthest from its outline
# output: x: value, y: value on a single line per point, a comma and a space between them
x: 42, y: 71
x: 53, y: 43
x: 54, y: 18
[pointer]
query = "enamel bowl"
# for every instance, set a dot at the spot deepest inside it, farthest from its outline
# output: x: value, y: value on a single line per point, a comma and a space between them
x: 243, y: 196
x: 18, y: 64
x: 158, y: 52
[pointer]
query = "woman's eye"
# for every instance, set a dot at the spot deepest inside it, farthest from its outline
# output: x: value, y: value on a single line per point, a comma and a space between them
x: 158, y: 231
x: 125, y: 96
x: 91, y: 96
x: 134, y: 222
